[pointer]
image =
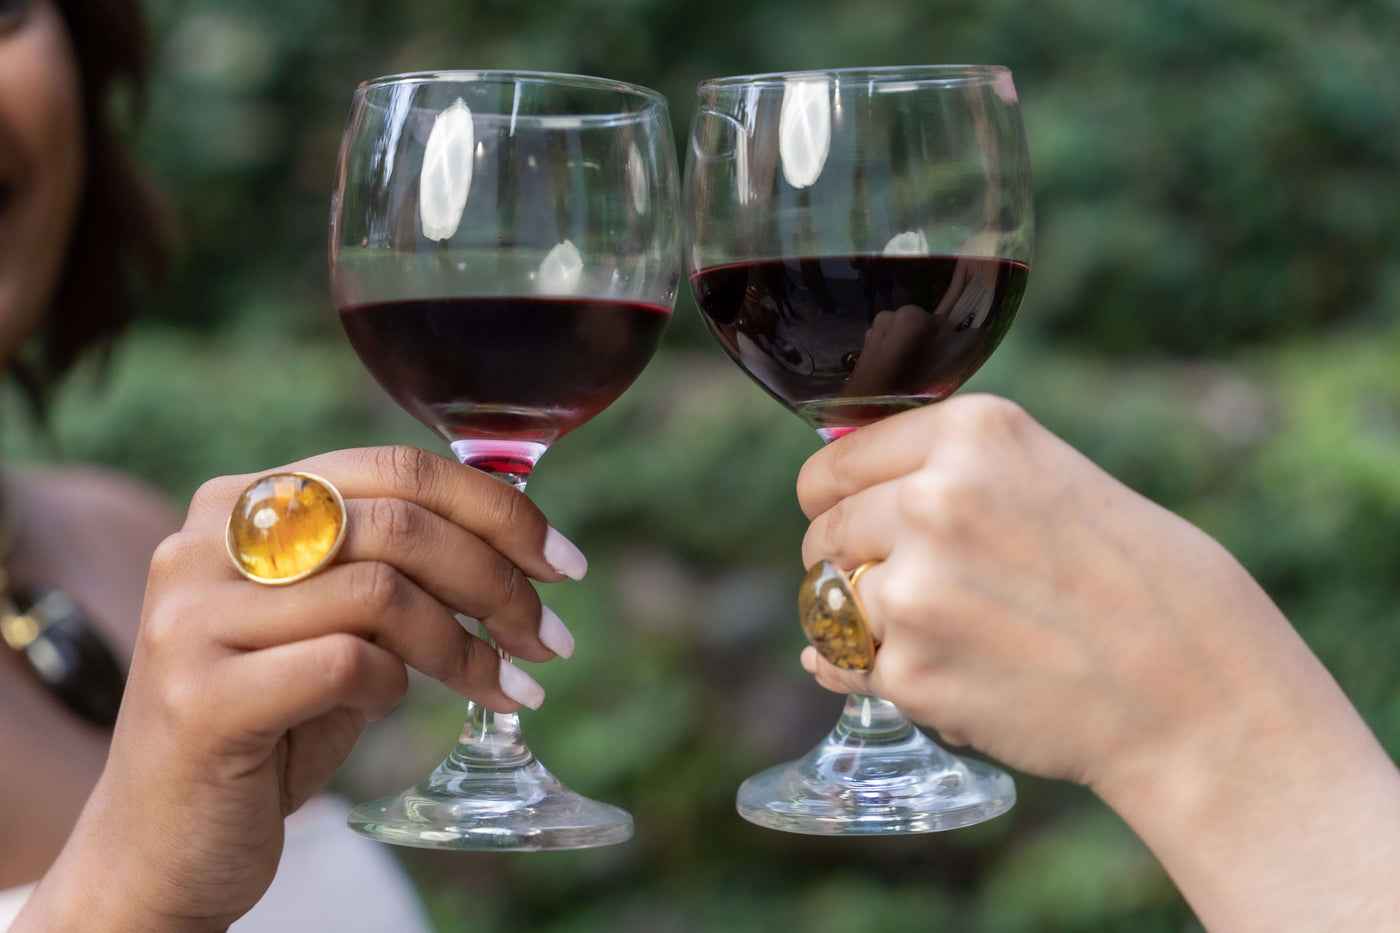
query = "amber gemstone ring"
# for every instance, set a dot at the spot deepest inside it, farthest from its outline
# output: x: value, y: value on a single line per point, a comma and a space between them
x: 285, y: 527
x: 833, y: 617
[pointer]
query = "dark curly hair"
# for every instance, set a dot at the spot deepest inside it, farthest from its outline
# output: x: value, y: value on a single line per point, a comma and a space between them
x: 120, y: 242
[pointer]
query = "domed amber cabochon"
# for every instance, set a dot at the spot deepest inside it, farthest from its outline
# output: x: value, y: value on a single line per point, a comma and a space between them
x: 285, y: 527
x: 833, y: 616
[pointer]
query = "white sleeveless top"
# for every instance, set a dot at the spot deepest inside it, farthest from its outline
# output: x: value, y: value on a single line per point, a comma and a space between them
x: 329, y: 879
x: 10, y: 903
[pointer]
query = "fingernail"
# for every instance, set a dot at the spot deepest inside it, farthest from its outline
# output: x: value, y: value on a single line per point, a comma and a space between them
x: 564, y: 556
x: 520, y: 686
x: 555, y: 634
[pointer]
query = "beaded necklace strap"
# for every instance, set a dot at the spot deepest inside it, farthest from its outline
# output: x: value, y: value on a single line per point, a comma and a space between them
x: 59, y: 641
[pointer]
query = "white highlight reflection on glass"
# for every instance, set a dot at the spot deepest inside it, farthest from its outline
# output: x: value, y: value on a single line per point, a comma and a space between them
x: 446, y: 178
x: 804, y: 130
x: 1005, y: 88
x: 908, y: 243
x: 637, y: 178
x: 561, y: 270
x: 742, y: 176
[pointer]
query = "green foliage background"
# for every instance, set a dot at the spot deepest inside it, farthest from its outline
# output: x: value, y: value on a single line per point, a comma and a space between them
x: 1212, y: 316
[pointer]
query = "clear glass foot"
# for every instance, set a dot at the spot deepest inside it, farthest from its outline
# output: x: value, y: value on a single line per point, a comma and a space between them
x: 875, y: 774
x: 492, y: 794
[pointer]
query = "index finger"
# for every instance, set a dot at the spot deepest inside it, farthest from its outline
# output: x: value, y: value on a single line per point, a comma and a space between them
x: 900, y: 444
x: 875, y: 454
x: 501, y: 516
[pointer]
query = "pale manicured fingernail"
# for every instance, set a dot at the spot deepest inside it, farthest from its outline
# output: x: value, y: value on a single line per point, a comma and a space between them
x: 564, y: 556
x: 555, y: 634
x: 520, y: 686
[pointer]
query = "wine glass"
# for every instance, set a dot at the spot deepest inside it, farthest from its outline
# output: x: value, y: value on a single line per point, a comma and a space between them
x: 504, y: 256
x: 859, y: 241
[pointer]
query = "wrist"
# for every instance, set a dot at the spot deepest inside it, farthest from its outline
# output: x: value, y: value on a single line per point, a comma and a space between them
x: 1163, y: 787
x: 1275, y: 814
x: 102, y: 881
x: 1238, y: 707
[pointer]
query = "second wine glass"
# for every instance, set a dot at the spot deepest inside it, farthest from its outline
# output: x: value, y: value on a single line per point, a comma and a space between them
x: 859, y: 241
x: 504, y: 255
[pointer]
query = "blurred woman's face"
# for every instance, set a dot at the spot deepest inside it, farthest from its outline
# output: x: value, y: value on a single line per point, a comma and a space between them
x: 41, y: 162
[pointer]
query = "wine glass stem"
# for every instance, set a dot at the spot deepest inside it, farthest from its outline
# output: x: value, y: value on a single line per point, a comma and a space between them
x: 869, y: 720
x: 866, y: 719
x: 489, y: 738
x: 508, y: 461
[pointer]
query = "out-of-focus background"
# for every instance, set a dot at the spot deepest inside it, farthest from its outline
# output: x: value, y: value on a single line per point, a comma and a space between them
x: 1213, y: 315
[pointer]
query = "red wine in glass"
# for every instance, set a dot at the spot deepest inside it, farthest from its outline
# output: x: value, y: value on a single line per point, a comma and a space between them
x: 846, y: 340
x: 502, y: 375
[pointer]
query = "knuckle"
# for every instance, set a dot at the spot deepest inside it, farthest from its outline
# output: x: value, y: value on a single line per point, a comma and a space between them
x: 895, y: 597
x: 217, y: 494
x: 812, y: 548
x: 409, y: 468
x: 507, y: 583
x: 500, y: 512
x: 856, y: 681
x: 377, y: 586
x: 182, y: 701
x: 812, y: 480
x: 506, y: 507
x: 937, y: 498
x: 897, y: 674
x: 951, y: 737
x: 991, y: 416
x: 825, y: 536
x: 454, y: 667
x: 462, y: 661
x: 831, y: 679
x: 900, y: 680
x: 395, y: 521
x: 158, y: 630
x: 174, y: 553
x: 341, y: 660
x: 167, y: 620
x: 840, y: 467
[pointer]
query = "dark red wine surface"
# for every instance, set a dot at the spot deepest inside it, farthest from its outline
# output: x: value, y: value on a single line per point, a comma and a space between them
x: 517, y: 369
x: 846, y: 340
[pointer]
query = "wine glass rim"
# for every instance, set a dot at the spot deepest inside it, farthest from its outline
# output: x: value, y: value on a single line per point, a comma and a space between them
x: 913, y: 74
x: 652, y: 98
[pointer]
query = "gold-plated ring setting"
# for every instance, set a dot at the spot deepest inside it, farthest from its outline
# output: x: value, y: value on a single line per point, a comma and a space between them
x: 833, y: 617
x: 285, y: 527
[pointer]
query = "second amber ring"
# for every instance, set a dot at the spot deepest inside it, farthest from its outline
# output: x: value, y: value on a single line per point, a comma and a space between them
x: 285, y: 527
x: 834, y: 618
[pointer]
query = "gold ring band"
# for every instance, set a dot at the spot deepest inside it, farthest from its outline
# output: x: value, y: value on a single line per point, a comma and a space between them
x: 833, y: 616
x: 285, y: 527
x: 859, y: 572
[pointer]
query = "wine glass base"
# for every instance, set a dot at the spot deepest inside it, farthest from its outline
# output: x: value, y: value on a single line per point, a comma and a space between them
x: 844, y: 788
x: 520, y: 809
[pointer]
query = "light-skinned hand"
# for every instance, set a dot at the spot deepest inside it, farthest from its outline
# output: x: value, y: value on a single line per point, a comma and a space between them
x: 1028, y: 604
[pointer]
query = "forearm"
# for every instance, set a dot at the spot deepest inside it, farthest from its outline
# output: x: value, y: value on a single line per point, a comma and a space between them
x: 101, y: 883
x: 1292, y: 832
